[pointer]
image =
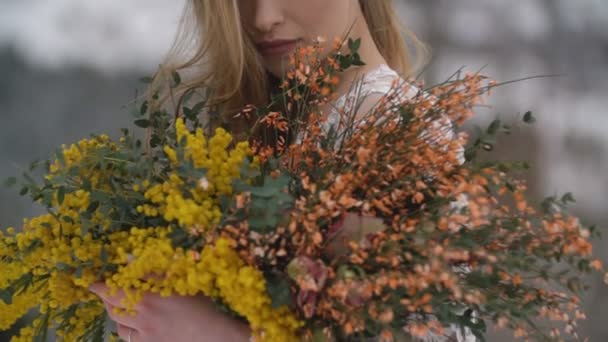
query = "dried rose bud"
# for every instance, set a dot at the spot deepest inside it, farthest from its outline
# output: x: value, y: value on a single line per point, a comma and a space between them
x: 358, y: 293
x: 307, y: 301
x: 309, y: 274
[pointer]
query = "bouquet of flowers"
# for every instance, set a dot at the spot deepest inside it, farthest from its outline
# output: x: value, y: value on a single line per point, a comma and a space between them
x: 385, y: 225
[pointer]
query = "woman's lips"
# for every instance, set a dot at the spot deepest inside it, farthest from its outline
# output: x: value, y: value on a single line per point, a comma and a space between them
x: 276, y: 47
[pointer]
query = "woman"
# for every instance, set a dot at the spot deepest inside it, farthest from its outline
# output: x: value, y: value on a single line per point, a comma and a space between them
x: 235, y: 46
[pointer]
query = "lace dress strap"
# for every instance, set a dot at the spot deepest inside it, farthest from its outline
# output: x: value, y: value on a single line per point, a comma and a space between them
x: 377, y: 81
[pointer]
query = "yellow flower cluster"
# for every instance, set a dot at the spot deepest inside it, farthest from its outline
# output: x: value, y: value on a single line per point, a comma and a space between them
x: 152, y: 253
x: 168, y: 199
x: 75, y: 153
x: 27, y: 333
x: 243, y: 288
x: 85, y: 316
x: 198, y: 206
x: 59, y: 242
x: 223, y: 166
x: 57, y: 246
x: 19, y: 306
x: 217, y: 272
x: 11, y: 271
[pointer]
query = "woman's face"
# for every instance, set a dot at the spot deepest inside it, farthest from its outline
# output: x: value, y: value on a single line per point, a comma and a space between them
x: 277, y: 25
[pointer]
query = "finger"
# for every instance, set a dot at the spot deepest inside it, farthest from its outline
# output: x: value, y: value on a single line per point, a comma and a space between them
x: 103, y: 291
x: 127, y: 333
x: 124, y: 318
x: 352, y: 227
x: 118, y: 299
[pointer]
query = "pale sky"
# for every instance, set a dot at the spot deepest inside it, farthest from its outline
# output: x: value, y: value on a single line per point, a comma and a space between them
x: 109, y: 35
x: 114, y: 35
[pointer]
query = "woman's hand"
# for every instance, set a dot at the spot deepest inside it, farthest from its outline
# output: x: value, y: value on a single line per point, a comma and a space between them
x: 352, y: 227
x: 174, y: 318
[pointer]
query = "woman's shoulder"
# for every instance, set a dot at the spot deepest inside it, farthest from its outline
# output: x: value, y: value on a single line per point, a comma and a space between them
x: 372, y: 86
x: 382, y: 79
x: 367, y: 91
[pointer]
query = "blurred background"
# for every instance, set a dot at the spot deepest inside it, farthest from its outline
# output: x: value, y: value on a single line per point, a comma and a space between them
x: 71, y: 67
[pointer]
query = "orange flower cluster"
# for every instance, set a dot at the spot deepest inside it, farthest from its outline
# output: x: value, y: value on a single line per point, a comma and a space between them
x: 440, y: 240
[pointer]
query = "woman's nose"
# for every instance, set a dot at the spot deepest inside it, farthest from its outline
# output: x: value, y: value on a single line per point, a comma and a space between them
x: 268, y: 14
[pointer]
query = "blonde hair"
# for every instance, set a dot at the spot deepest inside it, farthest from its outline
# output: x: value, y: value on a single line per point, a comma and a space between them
x: 212, y: 49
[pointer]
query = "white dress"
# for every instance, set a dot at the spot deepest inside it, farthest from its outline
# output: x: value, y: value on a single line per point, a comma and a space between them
x: 376, y: 83
x: 379, y: 82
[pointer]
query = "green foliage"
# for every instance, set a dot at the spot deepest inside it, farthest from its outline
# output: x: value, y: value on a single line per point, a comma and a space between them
x: 278, y: 288
x: 268, y: 202
x: 96, y: 331
x: 529, y: 118
x: 10, y: 181
x: 346, y: 61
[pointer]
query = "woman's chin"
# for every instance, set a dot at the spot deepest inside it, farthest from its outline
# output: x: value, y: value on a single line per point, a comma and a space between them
x: 279, y: 69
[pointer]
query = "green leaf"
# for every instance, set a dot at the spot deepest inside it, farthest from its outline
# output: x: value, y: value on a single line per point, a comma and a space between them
x: 103, y: 256
x: 176, y: 78
x: 6, y: 296
x: 95, y: 331
x: 187, y: 96
x: 143, y: 123
x: 10, y: 181
x: 247, y: 171
x: 146, y: 79
x: 155, y: 141
x: 78, y: 273
x: 264, y: 191
x: 493, y: 128
x: 198, y: 107
x: 344, y: 63
x: 187, y: 112
x: 144, y: 108
x: 99, y: 196
x: 278, y: 290
x: 24, y: 191
x: 529, y: 118
x: 568, y: 197
x: 574, y: 284
x: 357, y: 61
x: 29, y: 178
x: 59, y: 156
x: 60, y: 195
x: 63, y: 267
x: 354, y: 45
x: 470, y: 154
x: 584, y: 265
x: 86, y: 184
x: 34, y: 165
x: 257, y: 223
